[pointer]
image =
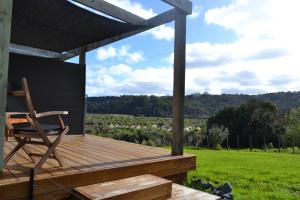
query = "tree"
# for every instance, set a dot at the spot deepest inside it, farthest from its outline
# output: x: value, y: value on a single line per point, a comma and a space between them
x: 255, y: 120
x: 293, y: 127
x: 217, y: 134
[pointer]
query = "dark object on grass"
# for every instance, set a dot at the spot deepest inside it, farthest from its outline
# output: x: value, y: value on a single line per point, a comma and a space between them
x: 223, y: 191
x: 225, y: 188
x: 207, y: 186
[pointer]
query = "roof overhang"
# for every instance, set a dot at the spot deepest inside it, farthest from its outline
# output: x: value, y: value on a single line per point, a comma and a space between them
x: 60, y: 29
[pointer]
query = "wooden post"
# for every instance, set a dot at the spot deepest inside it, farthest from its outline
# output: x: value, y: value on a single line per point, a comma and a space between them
x: 279, y: 143
x: 250, y: 142
x: 227, y: 142
x: 179, y: 83
x: 238, y: 141
x: 207, y: 141
x: 5, y: 25
x: 82, y: 56
x: 82, y: 61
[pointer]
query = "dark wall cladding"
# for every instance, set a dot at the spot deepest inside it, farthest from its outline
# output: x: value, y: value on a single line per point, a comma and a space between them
x: 54, y: 85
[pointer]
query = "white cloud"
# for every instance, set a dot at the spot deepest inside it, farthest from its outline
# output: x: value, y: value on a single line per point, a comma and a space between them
x: 120, y: 69
x: 123, y: 52
x: 263, y: 58
x: 133, y: 7
x: 258, y: 19
x: 196, y: 12
x: 162, y: 32
x: 106, y: 81
x: 130, y: 57
x: 106, y: 53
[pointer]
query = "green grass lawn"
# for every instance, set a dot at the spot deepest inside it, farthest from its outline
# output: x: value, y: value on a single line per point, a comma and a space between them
x: 253, y: 175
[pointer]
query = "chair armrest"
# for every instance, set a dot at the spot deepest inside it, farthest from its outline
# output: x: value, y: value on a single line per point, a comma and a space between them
x: 51, y: 113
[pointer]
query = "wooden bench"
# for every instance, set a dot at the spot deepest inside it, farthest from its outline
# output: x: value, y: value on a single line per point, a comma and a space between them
x: 146, y: 187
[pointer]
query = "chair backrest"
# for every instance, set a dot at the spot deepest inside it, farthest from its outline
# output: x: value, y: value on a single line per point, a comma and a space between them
x: 19, y: 99
x: 15, y: 103
x: 28, y: 98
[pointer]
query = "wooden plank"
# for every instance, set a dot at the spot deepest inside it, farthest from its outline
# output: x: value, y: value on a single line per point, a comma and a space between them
x: 5, y: 26
x: 184, y: 5
x: 145, y: 187
x: 179, y: 83
x: 158, y: 20
x: 180, y: 192
x: 31, y: 51
x: 112, y: 10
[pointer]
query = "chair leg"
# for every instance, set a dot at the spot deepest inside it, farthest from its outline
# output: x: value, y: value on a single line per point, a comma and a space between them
x: 51, y: 150
x: 58, y: 158
x: 28, y: 152
x: 44, y: 158
x: 15, y: 150
x: 26, y: 149
x: 55, y: 153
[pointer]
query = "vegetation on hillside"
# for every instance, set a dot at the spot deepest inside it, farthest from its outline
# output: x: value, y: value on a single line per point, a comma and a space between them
x: 255, y: 124
x: 154, y: 131
x: 196, y: 105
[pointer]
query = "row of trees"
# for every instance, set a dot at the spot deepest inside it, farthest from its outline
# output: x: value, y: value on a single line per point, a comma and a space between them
x: 255, y: 124
x: 196, y: 105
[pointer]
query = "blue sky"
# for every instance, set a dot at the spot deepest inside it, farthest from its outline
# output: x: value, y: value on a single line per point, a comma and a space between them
x: 233, y: 46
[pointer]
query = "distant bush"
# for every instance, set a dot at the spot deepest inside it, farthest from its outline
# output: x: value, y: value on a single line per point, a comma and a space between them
x: 148, y: 143
x: 218, y: 147
x: 217, y: 134
x: 270, y: 145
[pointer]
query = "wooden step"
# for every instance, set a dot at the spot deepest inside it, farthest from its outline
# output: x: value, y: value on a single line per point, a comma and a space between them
x: 180, y: 192
x: 144, y: 187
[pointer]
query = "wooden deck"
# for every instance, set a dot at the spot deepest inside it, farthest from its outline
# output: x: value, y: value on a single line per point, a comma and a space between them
x: 88, y: 160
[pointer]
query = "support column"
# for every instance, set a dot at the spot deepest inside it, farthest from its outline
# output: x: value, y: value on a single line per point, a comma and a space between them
x: 179, y: 83
x: 82, y: 61
x: 82, y: 56
x: 5, y: 25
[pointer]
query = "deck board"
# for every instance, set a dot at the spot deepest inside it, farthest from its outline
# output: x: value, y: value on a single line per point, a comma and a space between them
x: 89, y: 159
x: 180, y: 192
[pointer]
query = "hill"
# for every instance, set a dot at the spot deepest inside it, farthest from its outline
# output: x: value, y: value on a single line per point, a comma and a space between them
x: 196, y: 105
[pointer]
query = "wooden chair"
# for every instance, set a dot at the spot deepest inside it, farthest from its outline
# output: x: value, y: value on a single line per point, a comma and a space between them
x: 34, y: 132
x: 13, y: 118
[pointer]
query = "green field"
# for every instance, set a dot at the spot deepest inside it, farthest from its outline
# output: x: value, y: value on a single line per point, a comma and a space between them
x: 253, y: 175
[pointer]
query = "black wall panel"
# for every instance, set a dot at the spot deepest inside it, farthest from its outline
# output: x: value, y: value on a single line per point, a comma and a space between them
x: 54, y: 85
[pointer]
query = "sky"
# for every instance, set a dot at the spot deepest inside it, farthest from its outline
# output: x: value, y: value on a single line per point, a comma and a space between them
x: 233, y: 47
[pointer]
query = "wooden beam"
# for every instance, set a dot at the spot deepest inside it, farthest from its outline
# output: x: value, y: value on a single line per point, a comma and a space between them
x: 82, y: 61
x: 162, y: 18
x: 31, y: 51
x: 112, y: 10
x: 179, y: 83
x: 158, y: 20
x: 5, y: 26
x: 184, y: 5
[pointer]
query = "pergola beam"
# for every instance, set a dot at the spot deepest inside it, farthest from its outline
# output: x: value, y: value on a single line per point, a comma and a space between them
x: 112, y: 10
x: 31, y: 51
x: 158, y: 20
x: 183, y: 5
x: 5, y: 29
